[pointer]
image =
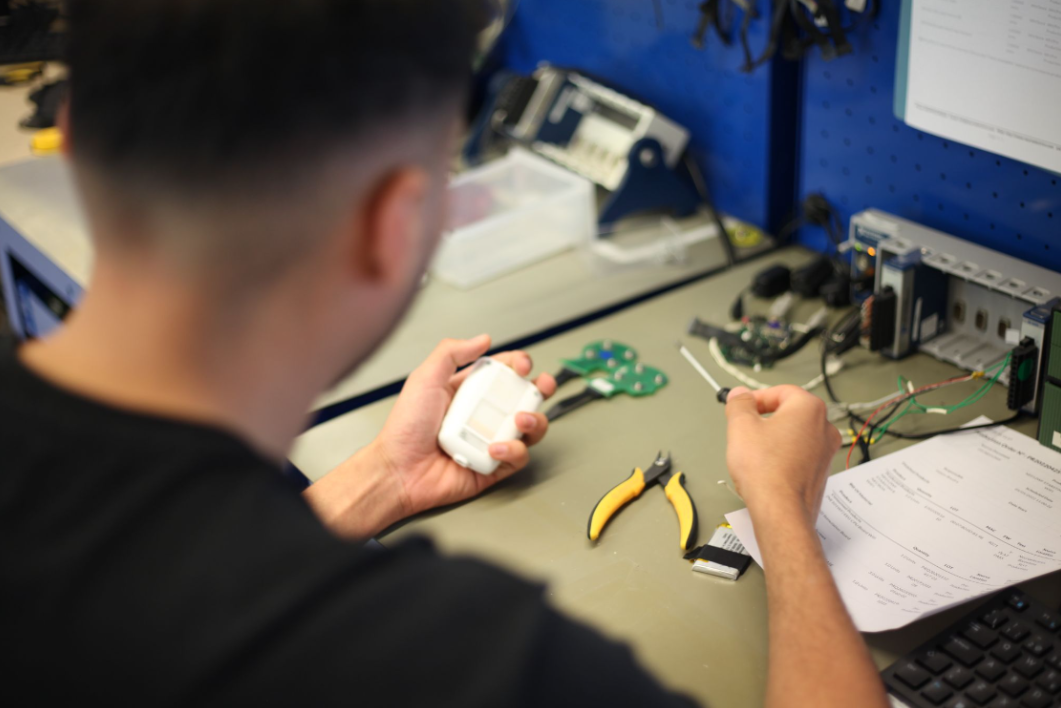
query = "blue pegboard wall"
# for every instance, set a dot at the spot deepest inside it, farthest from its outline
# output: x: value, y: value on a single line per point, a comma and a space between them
x: 855, y: 151
x: 624, y: 43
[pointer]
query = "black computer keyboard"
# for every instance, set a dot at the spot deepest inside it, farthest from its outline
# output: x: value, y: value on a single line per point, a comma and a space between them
x: 1003, y: 655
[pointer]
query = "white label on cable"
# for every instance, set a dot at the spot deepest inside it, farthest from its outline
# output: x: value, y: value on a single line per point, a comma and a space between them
x: 856, y: 5
x: 1013, y: 336
x: 1057, y: 439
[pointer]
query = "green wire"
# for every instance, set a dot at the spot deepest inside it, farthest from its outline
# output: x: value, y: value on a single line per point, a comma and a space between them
x: 970, y: 400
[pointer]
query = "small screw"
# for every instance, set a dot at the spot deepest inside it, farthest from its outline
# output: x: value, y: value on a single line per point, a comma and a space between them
x: 659, y: 380
x: 640, y: 368
x: 590, y: 354
x: 638, y: 386
x: 607, y: 345
x: 629, y: 354
x: 612, y: 363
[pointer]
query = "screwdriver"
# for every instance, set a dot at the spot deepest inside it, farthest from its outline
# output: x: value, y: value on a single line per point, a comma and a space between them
x: 721, y: 393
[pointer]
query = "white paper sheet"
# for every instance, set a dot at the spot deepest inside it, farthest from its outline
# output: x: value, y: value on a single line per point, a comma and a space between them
x: 937, y: 524
x: 988, y: 73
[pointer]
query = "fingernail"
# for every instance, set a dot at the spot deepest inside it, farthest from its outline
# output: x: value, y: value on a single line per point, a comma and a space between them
x: 526, y: 420
x: 498, y: 450
x: 739, y: 391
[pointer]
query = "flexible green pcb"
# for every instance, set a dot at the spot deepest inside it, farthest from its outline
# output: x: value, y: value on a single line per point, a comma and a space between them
x: 604, y: 355
x: 1050, y: 417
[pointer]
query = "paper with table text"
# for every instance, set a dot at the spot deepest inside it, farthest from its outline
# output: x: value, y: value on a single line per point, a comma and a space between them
x: 988, y: 73
x: 937, y: 524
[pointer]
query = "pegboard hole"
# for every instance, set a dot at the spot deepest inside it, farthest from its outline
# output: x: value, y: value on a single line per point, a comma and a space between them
x: 850, y: 82
x: 891, y: 188
x: 968, y: 185
x: 825, y: 105
x: 946, y: 145
x: 1025, y: 173
x: 825, y: 134
x: 869, y: 180
x: 998, y: 163
x: 917, y: 198
x: 873, y: 89
x: 876, y: 59
x: 872, y: 120
x: 895, y: 158
x: 1022, y: 205
x: 823, y: 163
x: 827, y: 74
x: 917, y: 167
x: 846, y: 171
x: 943, y: 176
x: 993, y: 228
x: 1046, y: 247
x: 870, y: 150
x: 847, y: 142
x: 1049, y: 215
x: 966, y: 216
x: 994, y: 194
x: 972, y: 154
x: 940, y: 207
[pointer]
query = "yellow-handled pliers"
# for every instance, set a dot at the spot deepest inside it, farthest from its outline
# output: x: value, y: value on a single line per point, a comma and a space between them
x: 626, y: 491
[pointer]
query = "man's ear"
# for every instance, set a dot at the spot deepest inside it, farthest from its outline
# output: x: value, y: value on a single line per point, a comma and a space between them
x: 394, y: 225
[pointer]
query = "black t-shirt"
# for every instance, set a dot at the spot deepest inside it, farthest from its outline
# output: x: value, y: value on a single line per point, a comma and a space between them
x: 152, y: 562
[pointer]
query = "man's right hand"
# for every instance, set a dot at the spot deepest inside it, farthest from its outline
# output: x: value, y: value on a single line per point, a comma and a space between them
x: 784, y: 459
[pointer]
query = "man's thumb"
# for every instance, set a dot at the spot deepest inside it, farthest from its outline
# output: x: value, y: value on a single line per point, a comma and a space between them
x: 741, y: 402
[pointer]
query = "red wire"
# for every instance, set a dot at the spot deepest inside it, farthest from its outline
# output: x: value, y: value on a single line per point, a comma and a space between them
x: 901, y: 397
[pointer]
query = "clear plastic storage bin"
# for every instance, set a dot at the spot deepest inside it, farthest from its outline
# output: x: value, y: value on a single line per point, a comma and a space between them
x: 511, y: 212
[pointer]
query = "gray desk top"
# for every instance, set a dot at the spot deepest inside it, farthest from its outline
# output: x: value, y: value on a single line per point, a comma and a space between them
x: 702, y: 635
x: 518, y: 305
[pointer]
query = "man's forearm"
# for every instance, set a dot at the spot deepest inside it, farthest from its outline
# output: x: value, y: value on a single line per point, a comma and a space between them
x: 817, y: 657
x: 359, y: 498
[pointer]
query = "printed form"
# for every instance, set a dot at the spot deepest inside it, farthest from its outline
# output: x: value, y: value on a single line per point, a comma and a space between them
x: 937, y: 524
x: 988, y: 73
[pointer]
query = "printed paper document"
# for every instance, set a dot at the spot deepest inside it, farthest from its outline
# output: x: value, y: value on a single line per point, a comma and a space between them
x: 988, y: 73
x: 937, y: 524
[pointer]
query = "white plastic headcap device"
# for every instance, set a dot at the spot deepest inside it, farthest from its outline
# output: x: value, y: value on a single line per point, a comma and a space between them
x: 484, y: 412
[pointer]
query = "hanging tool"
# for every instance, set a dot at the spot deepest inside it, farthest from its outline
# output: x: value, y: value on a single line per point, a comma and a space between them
x: 721, y: 393
x: 604, y: 355
x: 626, y: 491
x: 637, y: 381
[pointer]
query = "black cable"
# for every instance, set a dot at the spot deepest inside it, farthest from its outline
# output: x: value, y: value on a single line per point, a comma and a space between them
x: 701, y: 189
x: 901, y: 436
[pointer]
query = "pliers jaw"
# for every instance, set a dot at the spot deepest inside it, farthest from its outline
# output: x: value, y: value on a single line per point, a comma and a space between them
x: 660, y: 470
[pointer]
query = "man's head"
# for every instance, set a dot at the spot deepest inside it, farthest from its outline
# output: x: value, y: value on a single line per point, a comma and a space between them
x: 249, y: 145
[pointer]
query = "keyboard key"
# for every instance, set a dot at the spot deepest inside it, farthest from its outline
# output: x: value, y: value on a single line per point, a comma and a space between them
x: 1048, y: 620
x: 937, y: 692
x: 912, y: 675
x: 981, y: 692
x: 1028, y: 667
x: 1050, y: 681
x: 963, y: 651
x: 980, y: 635
x: 959, y: 677
x: 1016, y: 631
x: 1017, y: 602
x: 1038, y: 645
x: 1004, y: 702
x: 995, y: 619
x: 991, y: 669
x: 1006, y: 651
x: 1037, y: 698
x: 1013, y: 685
x: 935, y: 661
x: 1054, y: 660
x: 961, y: 702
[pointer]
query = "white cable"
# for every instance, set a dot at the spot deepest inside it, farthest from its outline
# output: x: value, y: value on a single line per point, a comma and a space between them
x: 720, y: 359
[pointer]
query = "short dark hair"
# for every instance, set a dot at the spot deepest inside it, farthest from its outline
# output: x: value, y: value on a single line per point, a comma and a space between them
x: 199, y: 94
